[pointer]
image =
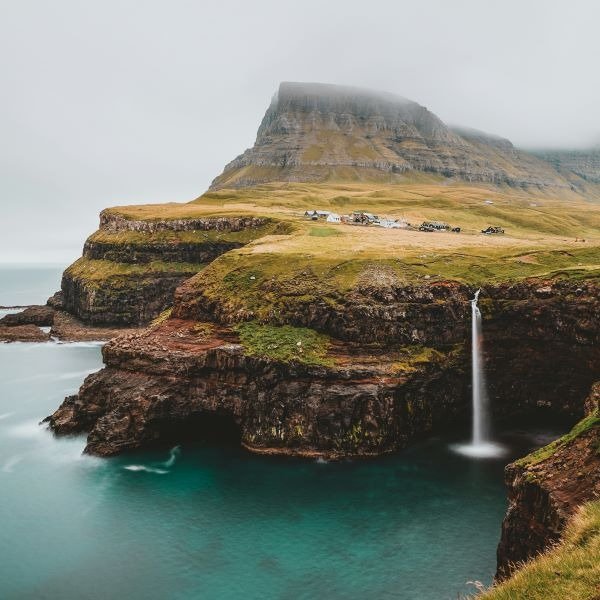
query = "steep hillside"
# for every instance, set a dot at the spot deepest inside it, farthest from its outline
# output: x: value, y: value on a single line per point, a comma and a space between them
x: 318, y: 132
x: 582, y: 163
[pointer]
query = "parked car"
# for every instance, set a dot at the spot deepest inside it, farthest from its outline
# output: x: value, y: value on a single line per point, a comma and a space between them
x: 426, y: 227
x: 456, y: 229
x: 491, y: 230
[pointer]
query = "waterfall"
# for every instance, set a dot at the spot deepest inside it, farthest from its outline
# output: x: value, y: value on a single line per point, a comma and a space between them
x: 479, y: 393
x: 481, y: 446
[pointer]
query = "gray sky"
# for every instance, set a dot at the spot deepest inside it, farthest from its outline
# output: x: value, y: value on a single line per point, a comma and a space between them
x: 116, y: 102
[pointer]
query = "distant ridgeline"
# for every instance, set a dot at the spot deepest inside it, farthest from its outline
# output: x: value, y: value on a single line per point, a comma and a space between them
x: 582, y: 163
x: 320, y: 132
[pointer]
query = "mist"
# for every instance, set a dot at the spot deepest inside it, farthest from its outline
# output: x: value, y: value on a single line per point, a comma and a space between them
x: 107, y: 103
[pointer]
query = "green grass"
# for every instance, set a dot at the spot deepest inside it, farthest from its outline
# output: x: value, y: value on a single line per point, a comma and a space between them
x: 269, y: 283
x: 322, y: 231
x: 293, y: 261
x: 162, y: 317
x: 570, y: 571
x: 96, y: 272
x: 285, y: 344
x: 542, y: 454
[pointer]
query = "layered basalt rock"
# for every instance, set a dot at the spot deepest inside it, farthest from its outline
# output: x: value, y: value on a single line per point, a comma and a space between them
x: 318, y: 132
x: 433, y: 314
x: 546, y: 488
x: 364, y: 405
x: 368, y: 401
x: 42, y: 316
x: 114, y: 222
x: 126, y: 300
x: 130, y: 268
x: 144, y: 253
x: 583, y: 163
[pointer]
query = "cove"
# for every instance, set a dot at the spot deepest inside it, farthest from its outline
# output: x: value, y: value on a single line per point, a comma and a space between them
x: 212, y: 522
x: 201, y: 520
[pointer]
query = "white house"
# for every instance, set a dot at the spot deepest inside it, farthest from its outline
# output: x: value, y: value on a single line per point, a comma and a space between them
x: 334, y: 218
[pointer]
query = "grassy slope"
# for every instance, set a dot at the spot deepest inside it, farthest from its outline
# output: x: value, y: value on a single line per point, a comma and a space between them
x: 326, y: 260
x: 571, y: 571
x: 95, y: 272
x: 541, y: 229
x: 285, y: 343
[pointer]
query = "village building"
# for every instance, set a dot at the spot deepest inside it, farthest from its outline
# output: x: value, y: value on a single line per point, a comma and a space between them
x: 316, y: 214
x: 364, y: 218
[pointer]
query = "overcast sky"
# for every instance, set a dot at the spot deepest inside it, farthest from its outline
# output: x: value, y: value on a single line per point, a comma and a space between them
x: 117, y: 102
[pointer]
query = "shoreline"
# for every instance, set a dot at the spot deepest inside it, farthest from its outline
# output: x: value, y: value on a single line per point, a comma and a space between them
x: 42, y: 323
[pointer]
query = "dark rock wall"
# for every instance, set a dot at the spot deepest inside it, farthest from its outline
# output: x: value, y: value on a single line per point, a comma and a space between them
x: 137, y: 298
x: 372, y: 407
x: 544, y: 495
x: 126, y: 300
x: 185, y: 252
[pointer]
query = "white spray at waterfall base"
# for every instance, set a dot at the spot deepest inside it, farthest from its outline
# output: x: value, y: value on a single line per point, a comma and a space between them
x: 481, y: 445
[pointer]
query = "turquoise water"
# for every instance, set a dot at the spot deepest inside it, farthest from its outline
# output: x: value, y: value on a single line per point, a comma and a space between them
x: 205, y: 522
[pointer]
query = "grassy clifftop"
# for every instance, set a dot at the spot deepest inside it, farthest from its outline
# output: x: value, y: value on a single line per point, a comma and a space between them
x: 319, y: 261
x: 287, y: 258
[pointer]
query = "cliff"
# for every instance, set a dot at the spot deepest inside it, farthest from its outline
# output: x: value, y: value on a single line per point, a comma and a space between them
x: 321, y: 132
x: 292, y: 335
x: 583, y: 163
x: 547, y: 488
x: 300, y: 391
x: 131, y: 267
x: 329, y: 147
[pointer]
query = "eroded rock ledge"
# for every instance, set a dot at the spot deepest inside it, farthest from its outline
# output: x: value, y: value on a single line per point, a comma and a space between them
x: 367, y: 399
x: 26, y: 326
x: 131, y: 267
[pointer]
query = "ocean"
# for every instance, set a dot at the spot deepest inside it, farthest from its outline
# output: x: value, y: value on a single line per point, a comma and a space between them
x: 208, y: 522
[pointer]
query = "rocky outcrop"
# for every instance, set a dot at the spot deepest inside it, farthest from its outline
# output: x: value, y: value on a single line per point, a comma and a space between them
x: 369, y: 400
x: 131, y: 268
x: 160, y: 380
x: 318, y: 132
x: 128, y: 299
x: 42, y: 316
x: 546, y: 488
x: 30, y: 325
x: 22, y: 333
x: 151, y: 251
x: 114, y: 222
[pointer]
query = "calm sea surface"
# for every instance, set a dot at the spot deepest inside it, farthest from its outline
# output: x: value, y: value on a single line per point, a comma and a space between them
x: 205, y: 522
x: 28, y: 284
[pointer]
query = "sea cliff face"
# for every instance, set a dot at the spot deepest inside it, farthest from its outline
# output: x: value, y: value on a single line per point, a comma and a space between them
x: 131, y: 267
x: 361, y: 399
x: 546, y: 488
x: 298, y: 337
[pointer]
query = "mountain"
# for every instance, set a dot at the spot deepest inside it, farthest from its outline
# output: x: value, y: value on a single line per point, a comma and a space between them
x: 582, y: 163
x: 315, y: 132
